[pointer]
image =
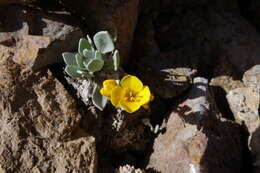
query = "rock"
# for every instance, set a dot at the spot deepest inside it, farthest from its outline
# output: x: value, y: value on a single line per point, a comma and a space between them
x: 77, y: 156
x: 168, y: 74
x: 52, y: 111
x: 221, y: 35
x: 244, y: 103
x: 196, y: 138
x: 39, y: 123
x: 251, y: 78
x: 38, y: 37
x: 227, y: 83
x: 110, y: 16
x: 129, y: 169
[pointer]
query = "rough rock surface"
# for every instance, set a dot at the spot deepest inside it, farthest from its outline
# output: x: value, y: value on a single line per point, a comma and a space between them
x: 38, y: 117
x: 38, y: 37
x: 196, y: 139
x: 244, y: 104
x: 129, y: 169
x: 110, y: 16
x: 251, y: 78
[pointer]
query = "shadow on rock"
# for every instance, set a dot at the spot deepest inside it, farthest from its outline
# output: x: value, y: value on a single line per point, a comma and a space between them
x: 197, y: 138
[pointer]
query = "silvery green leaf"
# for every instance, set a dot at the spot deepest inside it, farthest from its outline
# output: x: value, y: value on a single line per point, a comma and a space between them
x: 109, y: 64
x: 84, y: 44
x: 69, y: 58
x: 89, y: 54
x: 79, y: 60
x: 98, y: 55
x: 116, y: 60
x: 95, y: 65
x: 91, y: 43
x: 98, y: 100
x: 103, y: 42
x: 73, y: 71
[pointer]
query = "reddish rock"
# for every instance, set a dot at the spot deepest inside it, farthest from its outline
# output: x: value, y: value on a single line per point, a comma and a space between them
x: 196, y: 138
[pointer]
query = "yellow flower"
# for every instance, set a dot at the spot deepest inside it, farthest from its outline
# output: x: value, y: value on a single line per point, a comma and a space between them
x: 108, y: 85
x: 130, y: 94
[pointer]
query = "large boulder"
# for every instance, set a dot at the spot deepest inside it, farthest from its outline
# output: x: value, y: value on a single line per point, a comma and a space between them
x: 39, y: 123
x: 196, y: 139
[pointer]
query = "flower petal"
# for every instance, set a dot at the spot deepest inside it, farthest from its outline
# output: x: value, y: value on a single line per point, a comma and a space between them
x: 108, y: 85
x: 144, y: 95
x: 130, y: 107
x: 131, y: 82
x: 117, y: 95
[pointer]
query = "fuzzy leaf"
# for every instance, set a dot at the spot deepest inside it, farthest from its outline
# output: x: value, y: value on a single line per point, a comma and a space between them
x: 69, y: 58
x: 79, y: 60
x: 98, y: 100
x: 95, y: 65
x: 116, y: 60
x: 84, y: 44
x: 73, y: 71
x: 103, y: 42
x: 89, y: 54
x: 91, y: 43
x: 98, y: 55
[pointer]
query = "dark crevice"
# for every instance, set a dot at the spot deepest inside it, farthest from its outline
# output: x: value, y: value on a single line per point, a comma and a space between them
x: 221, y: 102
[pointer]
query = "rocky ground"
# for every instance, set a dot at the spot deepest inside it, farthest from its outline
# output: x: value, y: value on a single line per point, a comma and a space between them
x: 201, y: 59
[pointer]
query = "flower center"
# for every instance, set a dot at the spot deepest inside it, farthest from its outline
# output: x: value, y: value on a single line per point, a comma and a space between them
x: 130, y: 96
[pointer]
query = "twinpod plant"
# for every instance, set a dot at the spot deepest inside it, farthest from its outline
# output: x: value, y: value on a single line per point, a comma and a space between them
x: 92, y: 58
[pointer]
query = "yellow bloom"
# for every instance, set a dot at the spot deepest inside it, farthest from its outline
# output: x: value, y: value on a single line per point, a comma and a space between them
x: 130, y: 94
x: 108, y: 85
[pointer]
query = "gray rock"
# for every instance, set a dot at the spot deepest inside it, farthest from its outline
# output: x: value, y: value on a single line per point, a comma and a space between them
x: 196, y: 139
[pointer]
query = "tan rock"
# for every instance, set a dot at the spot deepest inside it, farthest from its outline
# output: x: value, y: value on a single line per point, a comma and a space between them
x: 251, y: 78
x: 38, y: 119
x: 244, y: 103
x: 38, y: 45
